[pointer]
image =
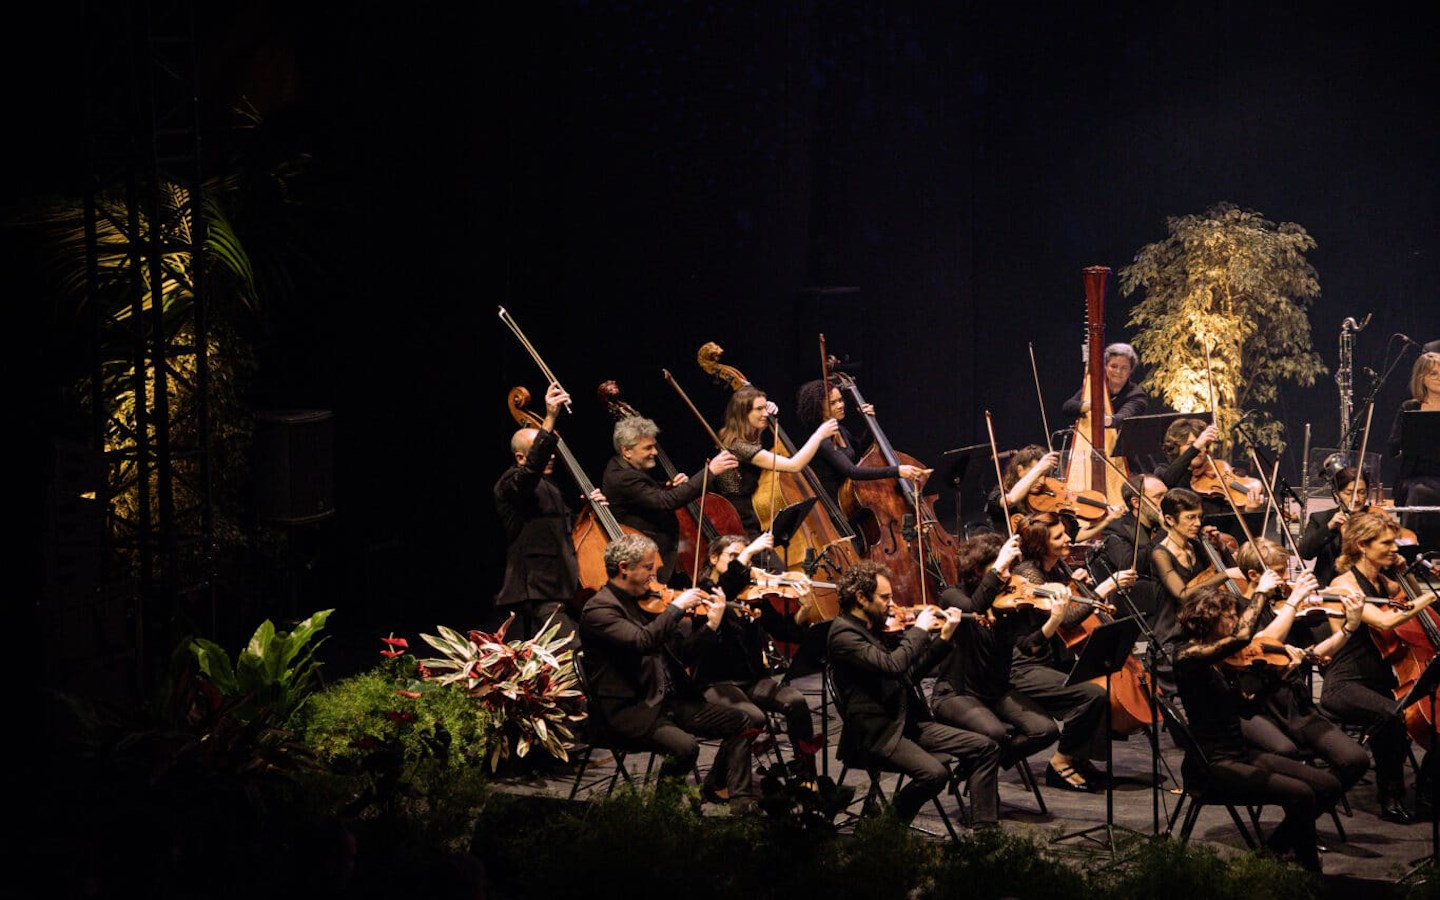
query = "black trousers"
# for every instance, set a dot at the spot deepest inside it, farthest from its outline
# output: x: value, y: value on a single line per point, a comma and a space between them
x: 1310, y: 734
x: 675, y: 732
x: 1261, y: 778
x: 1081, y: 708
x: 1357, y: 703
x: 1015, y: 721
x: 915, y: 756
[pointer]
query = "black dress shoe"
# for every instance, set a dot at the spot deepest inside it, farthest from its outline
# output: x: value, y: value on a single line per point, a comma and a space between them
x: 1394, y: 810
x: 1066, y: 779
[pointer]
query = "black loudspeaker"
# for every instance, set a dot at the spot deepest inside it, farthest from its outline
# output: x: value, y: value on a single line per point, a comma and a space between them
x: 293, y: 476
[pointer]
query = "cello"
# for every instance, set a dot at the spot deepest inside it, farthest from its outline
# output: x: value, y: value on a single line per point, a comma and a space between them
x: 1090, y: 438
x: 826, y: 542
x: 595, y: 527
x: 702, y: 520
x: 921, y: 557
x: 1130, y: 707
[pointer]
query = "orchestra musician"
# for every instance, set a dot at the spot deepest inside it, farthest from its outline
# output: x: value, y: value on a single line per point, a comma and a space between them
x: 1126, y: 397
x: 1359, y: 686
x: 1119, y: 547
x: 1231, y: 770
x: 1189, y: 444
x: 1284, y: 719
x: 1023, y: 471
x: 734, y: 671
x: 1418, y: 479
x: 835, y: 460
x: 882, y: 709
x: 747, y: 416
x: 541, y: 571
x: 972, y: 689
x: 633, y: 662
x: 643, y: 502
x: 1180, y: 563
x: 1320, y: 540
x: 1037, y: 669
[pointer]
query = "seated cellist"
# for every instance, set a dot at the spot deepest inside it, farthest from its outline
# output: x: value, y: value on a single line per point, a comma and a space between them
x: 1359, y: 687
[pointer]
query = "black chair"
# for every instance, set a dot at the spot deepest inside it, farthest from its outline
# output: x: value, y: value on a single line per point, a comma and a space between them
x: 1179, y: 728
x: 596, y: 736
x: 877, y: 767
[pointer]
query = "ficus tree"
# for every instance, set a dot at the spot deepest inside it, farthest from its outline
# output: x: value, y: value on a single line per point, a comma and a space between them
x: 1223, y: 322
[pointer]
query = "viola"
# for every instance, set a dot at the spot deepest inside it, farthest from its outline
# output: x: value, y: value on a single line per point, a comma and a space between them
x: 1050, y: 494
x: 1228, y: 483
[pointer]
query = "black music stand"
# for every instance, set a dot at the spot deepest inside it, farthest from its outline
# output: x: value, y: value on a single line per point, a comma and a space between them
x: 1425, y: 688
x: 1105, y: 653
x: 1139, y: 439
x: 787, y: 522
x: 962, y: 469
x: 1226, y: 523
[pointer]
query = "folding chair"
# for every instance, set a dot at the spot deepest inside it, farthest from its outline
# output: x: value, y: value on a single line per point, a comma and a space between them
x: 597, y: 737
x: 876, y: 767
x: 1179, y: 729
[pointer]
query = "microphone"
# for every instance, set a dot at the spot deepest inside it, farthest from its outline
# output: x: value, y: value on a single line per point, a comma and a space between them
x: 907, y: 526
x: 1407, y: 340
x: 810, y: 562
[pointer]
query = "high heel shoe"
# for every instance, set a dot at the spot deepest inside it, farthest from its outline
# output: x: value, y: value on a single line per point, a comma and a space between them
x: 1064, y: 778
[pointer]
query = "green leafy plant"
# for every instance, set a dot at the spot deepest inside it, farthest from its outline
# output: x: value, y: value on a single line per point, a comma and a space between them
x: 273, y: 676
x: 527, y: 686
x: 1226, y: 299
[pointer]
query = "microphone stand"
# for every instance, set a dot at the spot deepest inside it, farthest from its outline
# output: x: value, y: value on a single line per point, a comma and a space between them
x: 1375, y: 384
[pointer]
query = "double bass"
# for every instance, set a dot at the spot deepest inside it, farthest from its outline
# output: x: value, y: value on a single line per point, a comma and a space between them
x: 824, y: 545
x: 922, y: 558
x: 702, y: 520
x: 595, y: 526
x: 1086, y: 471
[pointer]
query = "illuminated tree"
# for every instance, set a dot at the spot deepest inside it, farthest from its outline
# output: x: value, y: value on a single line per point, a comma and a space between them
x: 1233, y: 283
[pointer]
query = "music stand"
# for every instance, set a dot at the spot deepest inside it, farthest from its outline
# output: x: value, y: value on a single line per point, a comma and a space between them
x: 787, y: 522
x: 1139, y: 439
x: 1425, y: 688
x: 962, y: 468
x: 1228, y: 524
x: 1105, y: 653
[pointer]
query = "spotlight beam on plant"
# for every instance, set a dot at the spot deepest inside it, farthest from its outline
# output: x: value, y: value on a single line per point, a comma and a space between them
x: 1231, y: 280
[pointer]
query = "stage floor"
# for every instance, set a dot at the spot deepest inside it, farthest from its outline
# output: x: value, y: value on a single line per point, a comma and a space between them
x: 1373, y: 851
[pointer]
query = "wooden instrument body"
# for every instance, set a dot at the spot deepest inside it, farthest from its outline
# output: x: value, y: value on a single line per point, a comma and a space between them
x: 1084, y: 470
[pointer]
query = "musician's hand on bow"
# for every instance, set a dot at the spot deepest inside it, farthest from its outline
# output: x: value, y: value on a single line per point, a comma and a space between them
x: 765, y: 541
x: 828, y: 428
x: 1208, y: 436
x: 1338, y: 520
x: 1009, y: 552
x: 556, y: 398
x: 1304, y: 588
x: 1269, y: 581
x: 913, y: 473
x: 724, y: 461
x: 1126, y: 578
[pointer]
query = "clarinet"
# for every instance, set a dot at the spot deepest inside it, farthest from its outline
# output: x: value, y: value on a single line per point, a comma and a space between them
x: 1345, y: 377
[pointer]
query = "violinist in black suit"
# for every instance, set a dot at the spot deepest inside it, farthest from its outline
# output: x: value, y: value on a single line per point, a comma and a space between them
x: 882, y: 709
x: 638, y: 680
x: 541, y: 572
x: 1320, y: 540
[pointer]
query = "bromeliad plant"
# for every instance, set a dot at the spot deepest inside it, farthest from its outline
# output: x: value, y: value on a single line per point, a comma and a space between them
x: 527, y: 686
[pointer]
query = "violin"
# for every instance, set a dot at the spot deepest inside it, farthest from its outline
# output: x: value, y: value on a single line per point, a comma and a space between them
x: 1228, y: 483
x: 902, y: 618
x: 1404, y: 537
x: 1020, y: 593
x: 786, y: 584
x: 1261, y: 653
x: 1050, y: 494
x: 659, y: 596
x: 1329, y: 604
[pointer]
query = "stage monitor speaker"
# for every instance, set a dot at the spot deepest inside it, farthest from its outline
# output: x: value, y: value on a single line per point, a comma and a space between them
x: 293, y: 476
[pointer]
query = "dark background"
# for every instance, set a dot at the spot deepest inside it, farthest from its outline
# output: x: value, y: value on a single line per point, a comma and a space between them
x: 633, y: 180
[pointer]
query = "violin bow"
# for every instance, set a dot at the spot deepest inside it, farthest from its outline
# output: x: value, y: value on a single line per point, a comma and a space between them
x: 1220, y: 480
x: 1035, y: 372
x: 1360, y: 460
x: 704, y: 486
x: 995, y: 455
x: 825, y: 379
x: 681, y: 391
x: 525, y: 342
